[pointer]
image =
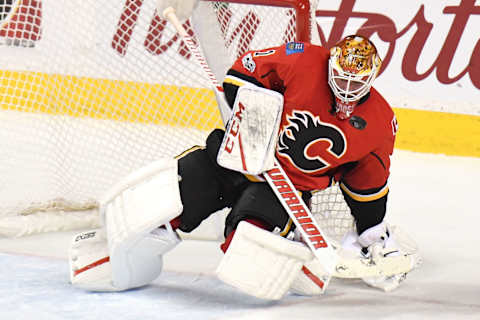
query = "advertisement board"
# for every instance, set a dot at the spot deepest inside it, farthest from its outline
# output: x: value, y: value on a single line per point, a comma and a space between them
x: 430, y: 50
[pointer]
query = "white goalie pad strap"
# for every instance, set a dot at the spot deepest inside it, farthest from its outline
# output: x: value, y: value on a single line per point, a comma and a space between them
x: 261, y: 263
x: 311, y: 280
x: 252, y: 132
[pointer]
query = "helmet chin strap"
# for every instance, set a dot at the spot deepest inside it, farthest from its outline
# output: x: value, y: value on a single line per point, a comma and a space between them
x: 344, y: 109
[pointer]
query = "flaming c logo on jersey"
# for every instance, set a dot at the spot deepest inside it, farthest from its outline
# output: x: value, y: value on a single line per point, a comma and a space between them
x: 301, y: 134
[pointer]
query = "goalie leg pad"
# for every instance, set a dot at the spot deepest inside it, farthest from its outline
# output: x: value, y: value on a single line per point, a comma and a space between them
x: 92, y: 269
x: 141, y: 202
x: 311, y: 280
x: 138, y: 204
x: 141, y: 262
x: 89, y: 261
x: 261, y: 263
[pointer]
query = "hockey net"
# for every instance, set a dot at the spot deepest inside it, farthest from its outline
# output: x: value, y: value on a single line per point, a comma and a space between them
x: 91, y: 90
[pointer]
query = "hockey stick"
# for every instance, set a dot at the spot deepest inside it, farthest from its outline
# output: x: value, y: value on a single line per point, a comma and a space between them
x: 276, y: 177
x: 294, y: 205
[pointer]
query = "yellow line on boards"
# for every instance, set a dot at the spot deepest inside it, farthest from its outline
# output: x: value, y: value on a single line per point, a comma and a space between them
x: 108, y: 99
x: 438, y: 132
x: 419, y: 130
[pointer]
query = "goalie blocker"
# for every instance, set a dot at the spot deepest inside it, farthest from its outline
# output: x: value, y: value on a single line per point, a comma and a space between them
x: 212, y: 179
x: 252, y: 132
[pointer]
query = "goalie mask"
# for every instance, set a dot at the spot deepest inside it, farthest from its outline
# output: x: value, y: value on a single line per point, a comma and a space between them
x: 352, y: 67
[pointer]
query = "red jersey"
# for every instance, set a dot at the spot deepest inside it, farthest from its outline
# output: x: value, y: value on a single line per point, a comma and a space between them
x: 314, y: 146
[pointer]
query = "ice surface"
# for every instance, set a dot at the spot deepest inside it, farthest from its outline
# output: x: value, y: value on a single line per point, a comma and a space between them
x: 433, y: 197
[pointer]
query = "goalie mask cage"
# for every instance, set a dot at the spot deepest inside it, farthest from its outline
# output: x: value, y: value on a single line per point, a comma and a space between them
x: 91, y: 90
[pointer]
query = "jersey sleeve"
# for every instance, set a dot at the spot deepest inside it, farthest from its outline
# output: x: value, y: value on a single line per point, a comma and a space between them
x: 365, y: 186
x: 268, y: 68
x: 365, y: 190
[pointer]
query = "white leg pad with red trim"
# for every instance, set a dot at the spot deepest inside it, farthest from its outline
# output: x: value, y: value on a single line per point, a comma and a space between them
x: 260, y: 263
x: 311, y: 280
x: 92, y: 269
x: 131, y: 211
x: 136, y: 205
x: 89, y: 260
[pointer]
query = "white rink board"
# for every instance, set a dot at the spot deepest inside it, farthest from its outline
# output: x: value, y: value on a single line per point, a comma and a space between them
x: 405, y: 18
x: 454, y: 27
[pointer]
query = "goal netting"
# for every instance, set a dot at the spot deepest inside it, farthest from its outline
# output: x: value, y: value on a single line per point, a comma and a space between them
x: 91, y: 90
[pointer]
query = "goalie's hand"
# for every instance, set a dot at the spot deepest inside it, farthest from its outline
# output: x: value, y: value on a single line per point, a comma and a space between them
x: 385, y: 248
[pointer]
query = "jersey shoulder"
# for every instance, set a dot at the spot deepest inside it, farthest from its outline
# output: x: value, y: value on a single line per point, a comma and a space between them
x: 299, y: 53
x: 380, y: 104
x: 309, y: 53
x: 305, y: 64
x: 384, y: 116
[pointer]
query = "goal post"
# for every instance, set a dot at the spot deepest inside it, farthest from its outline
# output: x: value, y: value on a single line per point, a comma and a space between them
x: 92, y: 90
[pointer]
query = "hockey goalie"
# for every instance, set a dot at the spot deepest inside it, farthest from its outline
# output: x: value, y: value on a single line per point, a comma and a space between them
x: 312, y: 109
